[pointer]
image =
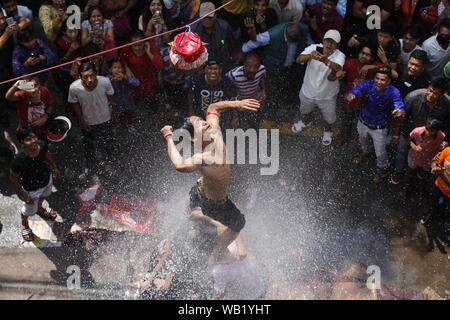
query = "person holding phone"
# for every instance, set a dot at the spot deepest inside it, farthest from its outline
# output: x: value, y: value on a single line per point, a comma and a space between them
x: 34, y: 104
x: 154, y: 20
x: 32, y: 55
x: 317, y: 90
x: 98, y: 30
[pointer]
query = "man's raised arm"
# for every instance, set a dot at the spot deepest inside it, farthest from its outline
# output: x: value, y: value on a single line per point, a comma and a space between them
x: 212, y: 114
x: 182, y: 165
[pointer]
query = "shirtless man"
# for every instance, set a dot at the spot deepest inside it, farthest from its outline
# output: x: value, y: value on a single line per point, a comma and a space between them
x: 208, y: 198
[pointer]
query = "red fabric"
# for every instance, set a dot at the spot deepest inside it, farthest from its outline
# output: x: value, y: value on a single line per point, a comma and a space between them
x: 354, y: 79
x: 143, y: 69
x: 189, y: 45
x: 24, y: 104
x: 64, y: 46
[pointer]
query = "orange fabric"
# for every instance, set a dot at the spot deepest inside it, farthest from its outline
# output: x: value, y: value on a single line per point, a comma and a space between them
x: 443, y: 158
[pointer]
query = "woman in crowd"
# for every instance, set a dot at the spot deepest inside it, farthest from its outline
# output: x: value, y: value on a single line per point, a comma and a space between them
x: 117, y: 11
x: 52, y: 14
x: 154, y: 20
x: 98, y: 30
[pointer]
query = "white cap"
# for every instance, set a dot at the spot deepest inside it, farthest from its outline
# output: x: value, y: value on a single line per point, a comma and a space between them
x: 206, y: 8
x: 169, y: 4
x: 333, y: 35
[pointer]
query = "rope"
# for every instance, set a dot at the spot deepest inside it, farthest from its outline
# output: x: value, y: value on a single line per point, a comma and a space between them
x: 116, y: 48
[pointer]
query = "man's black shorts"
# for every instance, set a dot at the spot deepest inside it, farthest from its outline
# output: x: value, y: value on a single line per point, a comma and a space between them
x: 224, y: 212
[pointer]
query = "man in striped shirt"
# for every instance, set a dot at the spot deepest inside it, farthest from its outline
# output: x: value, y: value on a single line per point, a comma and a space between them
x: 250, y: 82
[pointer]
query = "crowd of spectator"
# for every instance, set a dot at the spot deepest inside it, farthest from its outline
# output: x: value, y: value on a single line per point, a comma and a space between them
x: 391, y: 83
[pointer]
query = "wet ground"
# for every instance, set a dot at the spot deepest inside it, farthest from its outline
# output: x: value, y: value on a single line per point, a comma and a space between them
x: 320, y: 212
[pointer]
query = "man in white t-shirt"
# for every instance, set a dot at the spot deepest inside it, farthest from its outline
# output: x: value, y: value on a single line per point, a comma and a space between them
x: 92, y: 99
x: 438, y: 50
x: 317, y: 90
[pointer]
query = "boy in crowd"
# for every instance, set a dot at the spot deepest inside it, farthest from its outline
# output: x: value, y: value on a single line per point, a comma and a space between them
x: 31, y: 174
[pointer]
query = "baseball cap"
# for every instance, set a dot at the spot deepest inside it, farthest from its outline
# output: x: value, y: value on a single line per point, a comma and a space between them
x: 333, y: 35
x: 212, y: 62
x: 447, y: 70
x: 206, y: 8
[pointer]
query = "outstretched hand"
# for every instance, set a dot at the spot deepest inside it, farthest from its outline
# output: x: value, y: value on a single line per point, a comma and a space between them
x: 250, y: 105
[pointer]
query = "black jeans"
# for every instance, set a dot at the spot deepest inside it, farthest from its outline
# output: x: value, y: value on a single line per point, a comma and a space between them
x: 98, y: 140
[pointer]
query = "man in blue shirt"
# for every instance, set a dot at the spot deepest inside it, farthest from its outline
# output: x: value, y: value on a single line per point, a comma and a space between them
x: 380, y: 97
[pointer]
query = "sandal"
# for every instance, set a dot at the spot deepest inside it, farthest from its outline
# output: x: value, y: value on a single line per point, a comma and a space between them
x: 48, y: 214
x: 27, y: 235
x: 327, y: 138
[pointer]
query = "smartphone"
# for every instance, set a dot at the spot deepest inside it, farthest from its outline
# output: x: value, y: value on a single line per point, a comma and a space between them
x: 34, y: 55
x: 157, y: 13
x: 97, y: 27
x: 319, y: 50
x: 27, y: 85
x: 10, y: 20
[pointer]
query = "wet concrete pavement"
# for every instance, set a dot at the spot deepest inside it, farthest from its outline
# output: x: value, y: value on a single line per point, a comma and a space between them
x: 323, y: 214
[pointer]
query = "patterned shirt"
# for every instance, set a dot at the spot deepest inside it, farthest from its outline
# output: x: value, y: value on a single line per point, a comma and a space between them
x: 247, y: 89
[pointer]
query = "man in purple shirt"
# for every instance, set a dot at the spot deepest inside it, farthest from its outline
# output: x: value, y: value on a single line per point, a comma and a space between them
x: 322, y: 17
x: 380, y: 97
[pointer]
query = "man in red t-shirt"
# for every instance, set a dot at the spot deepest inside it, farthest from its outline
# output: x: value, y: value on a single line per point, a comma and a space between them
x: 33, y: 105
x: 355, y: 72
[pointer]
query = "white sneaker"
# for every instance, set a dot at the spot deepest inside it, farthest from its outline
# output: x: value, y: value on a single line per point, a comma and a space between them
x: 327, y: 138
x: 299, y: 126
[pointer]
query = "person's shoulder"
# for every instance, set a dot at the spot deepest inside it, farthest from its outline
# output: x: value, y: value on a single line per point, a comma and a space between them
x: 103, y: 79
x: 107, y: 23
x: 417, y: 131
x: 75, y: 85
x: 340, y: 54
x: 415, y: 95
x: 429, y: 42
x: 394, y: 89
x: 222, y: 23
x: 45, y: 91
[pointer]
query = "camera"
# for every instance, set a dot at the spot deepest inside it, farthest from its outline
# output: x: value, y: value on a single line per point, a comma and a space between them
x: 34, y: 55
x: 157, y: 13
